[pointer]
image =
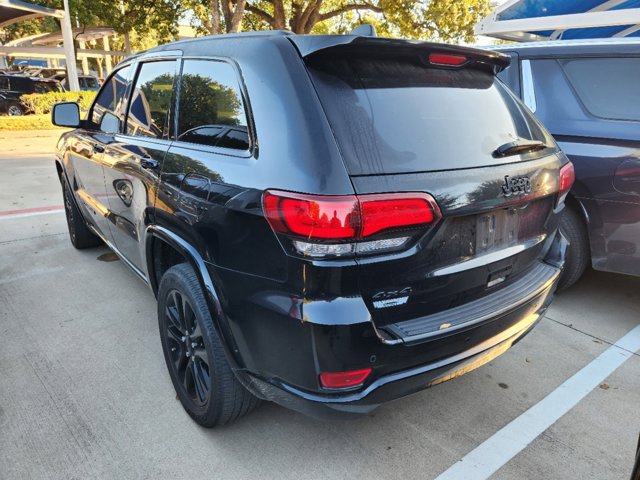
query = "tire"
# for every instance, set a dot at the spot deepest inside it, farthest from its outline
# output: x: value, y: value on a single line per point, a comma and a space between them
x: 578, y: 253
x: 206, y: 386
x: 15, y: 110
x: 79, y: 234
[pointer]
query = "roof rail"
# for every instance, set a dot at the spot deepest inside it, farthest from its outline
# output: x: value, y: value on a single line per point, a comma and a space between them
x: 364, y: 30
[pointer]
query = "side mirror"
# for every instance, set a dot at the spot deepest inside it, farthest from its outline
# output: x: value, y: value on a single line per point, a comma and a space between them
x: 66, y: 114
x: 110, y: 123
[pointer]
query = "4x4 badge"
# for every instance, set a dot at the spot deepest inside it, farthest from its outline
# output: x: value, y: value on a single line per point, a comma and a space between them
x: 516, y: 186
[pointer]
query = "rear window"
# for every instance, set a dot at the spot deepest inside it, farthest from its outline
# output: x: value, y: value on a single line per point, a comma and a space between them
x: 607, y: 87
x: 399, y: 116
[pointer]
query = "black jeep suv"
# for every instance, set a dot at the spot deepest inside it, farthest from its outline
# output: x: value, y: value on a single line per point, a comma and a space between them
x: 327, y: 222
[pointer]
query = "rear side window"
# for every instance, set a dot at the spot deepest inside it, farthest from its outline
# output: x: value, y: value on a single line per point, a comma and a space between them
x: 210, y: 110
x: 151, y: 99
x: 111, y: 97
x: 607, y: 87
x: 4, y: 83
x: 398, y: 116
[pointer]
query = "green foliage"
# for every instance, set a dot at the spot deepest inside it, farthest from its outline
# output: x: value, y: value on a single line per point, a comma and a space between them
x: 442, y: 20
x: 42, y: 103
x: 437, y: 20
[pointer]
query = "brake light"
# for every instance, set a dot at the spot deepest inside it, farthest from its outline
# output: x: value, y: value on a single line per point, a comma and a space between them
x: 311, y: 216
x: 390, y: 211
x: 344, y: 379
x: 447, y: 59
x: 341, y: 225
x: 567, y: 177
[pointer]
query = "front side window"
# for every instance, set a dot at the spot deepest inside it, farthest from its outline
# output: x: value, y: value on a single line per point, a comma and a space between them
x: 111, y: 97
x: 607, y: 87
x: 210, y: 110
x: 151, y: 100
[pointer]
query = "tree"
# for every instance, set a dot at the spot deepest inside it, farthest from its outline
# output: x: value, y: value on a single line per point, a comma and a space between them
x: 218, y: 16
x: 444, y: 20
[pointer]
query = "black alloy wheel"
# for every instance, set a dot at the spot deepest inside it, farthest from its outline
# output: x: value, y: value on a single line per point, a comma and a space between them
x: 195, y: 354
x: 188, y: 354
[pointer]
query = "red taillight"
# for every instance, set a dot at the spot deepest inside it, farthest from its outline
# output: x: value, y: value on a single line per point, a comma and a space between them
x: 344, y: 379
x: 447, y: 59
x: 391, y: 211
x: 312, y: 216
x: 348, y: 217
x: 567, y: 177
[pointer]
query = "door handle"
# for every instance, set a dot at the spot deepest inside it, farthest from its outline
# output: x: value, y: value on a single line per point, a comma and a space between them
x: 97, y: 148
x: 148, y: 162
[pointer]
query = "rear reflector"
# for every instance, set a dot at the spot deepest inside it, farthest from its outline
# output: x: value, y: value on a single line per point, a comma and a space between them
x: 347, y: 217
x: 447, y: 59
x: 344, y: 379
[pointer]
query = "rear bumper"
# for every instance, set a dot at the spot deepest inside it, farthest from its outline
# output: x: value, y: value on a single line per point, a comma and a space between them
x: 520, y: 321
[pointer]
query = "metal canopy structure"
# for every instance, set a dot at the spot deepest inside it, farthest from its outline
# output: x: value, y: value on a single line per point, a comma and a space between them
x: 533, y: 20
x: 14, y: 11
x: 40, y: 44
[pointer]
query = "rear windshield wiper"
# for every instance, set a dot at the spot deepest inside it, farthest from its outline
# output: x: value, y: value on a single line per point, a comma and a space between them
x: 519, y: 146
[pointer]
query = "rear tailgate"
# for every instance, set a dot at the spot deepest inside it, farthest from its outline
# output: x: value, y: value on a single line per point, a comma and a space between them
x: 483, y: 243
x: 427, y: 118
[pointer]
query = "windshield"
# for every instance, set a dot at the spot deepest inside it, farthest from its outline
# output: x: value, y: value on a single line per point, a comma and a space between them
x: 398, y: 116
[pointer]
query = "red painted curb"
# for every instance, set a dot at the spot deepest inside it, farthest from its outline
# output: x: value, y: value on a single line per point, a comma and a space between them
x: 31, y: 210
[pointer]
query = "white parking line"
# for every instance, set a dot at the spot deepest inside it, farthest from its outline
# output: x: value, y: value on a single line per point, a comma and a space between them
x: 505, y: 444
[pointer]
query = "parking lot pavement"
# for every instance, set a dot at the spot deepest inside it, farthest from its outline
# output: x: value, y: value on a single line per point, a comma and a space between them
x: 84, y: 391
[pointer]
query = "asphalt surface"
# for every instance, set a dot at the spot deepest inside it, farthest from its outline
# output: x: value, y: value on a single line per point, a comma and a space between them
x: 84, y: 392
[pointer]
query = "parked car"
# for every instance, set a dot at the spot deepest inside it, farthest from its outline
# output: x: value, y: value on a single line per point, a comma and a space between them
x: 586, y: 93
x: 87, y: 82
x: 13, y: 86
x: 327, y: 222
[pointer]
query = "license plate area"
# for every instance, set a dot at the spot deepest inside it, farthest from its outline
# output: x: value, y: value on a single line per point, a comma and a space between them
x: 497, y: 230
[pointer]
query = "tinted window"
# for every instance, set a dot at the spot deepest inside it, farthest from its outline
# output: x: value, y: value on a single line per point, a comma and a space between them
x: 211, y: 110
x: 4, y: 83
x: 46, y: 87
x: 392, y: 116
x: 90, y: 82
x: 607, y: 87
x: 111, y: 97
x: 151, y: 100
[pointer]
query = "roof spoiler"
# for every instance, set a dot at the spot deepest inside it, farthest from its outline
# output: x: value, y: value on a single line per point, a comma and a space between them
x: 357, y: 45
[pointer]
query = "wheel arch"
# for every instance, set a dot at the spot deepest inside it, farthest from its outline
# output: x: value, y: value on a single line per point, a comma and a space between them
x: 572, y: 202
x: 592, y: 224
x: 157, y: 234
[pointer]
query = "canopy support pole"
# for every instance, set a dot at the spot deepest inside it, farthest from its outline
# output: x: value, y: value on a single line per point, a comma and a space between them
x: 69, y: 50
